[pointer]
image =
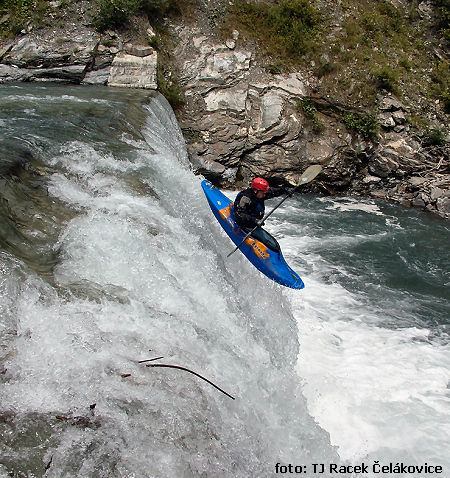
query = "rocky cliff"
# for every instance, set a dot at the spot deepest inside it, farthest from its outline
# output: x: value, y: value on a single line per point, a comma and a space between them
x: 241, y: 118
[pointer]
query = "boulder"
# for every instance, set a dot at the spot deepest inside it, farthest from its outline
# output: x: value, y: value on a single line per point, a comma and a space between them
x: 389, y: 103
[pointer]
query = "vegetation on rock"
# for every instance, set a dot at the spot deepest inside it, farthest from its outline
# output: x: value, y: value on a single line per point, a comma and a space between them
x: 354, y: 47
x: 117, y: 13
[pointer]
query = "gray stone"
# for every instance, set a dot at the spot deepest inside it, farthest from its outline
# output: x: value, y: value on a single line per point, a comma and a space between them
x: 399, y: 117
x: 46, y: 50
x: 133, y: 72
x: 150, y: 33
x: 378, y: 194
x: 382, y: 166
x: 72, y: 73
x: 371, y: 179
x: 416, y: 181
x: 418, y: 202
x: 210, y: 169
x: 436, y: 193
x: 231, y: 44
x: 9, y: 73
x: 389, y: 103
x: 443, y: 206
x: 97, y: 77
x: 5, y: 49
x: 229, y: 99
x: 138, y: 50
x: 386, y: 120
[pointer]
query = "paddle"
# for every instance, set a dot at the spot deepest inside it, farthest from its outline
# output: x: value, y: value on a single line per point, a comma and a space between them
x: 308, y: 175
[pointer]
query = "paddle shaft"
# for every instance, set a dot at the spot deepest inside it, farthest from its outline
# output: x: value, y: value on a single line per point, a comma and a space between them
x: 303, y: 180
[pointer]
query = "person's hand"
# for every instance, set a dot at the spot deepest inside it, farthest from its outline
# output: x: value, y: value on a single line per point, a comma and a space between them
x: 260, y: 223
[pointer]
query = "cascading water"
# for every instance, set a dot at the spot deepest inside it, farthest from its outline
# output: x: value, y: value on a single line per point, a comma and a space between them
x: 109, y: 255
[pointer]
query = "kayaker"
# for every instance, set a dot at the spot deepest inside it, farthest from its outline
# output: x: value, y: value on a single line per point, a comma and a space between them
x: 249, y: 209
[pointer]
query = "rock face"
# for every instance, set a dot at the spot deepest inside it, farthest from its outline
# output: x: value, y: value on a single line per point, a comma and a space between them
x: 133, y: 71
x: 243, y: 122
x: 246, y: 121
x: 78, y: 55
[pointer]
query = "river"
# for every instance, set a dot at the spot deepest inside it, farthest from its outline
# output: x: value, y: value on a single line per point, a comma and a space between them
x: 109, y: 255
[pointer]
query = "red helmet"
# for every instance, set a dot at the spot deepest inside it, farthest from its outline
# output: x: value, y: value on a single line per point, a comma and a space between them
x: 260, y: 184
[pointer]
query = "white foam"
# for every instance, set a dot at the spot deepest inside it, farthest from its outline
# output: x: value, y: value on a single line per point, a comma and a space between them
x: 381, y: 393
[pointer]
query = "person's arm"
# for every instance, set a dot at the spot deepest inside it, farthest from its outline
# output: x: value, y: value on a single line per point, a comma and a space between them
x: 278, y: 191
x: 241, y: 204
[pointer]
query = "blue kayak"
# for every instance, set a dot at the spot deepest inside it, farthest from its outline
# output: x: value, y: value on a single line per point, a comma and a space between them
x: 267, y: 260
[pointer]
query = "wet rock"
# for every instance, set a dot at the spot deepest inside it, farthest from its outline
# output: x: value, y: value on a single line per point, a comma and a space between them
x: 212, y: 170
x: 378, y: 194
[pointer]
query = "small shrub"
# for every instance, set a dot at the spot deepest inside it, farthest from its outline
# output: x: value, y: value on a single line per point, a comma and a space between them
x: 441, y: 84
x: 442, y: 8
x: 20, y: 14
x: 326, y: 69
x: 115, y: 13
x: 155, y: 42
x: 406, y: 64
x: 433, y: 137
x: 364, y: 124
x: 310, y: 112
x: 288, y: 27
x: 170, y: 89
x: 156, y: 9
x: 274, y: 68
x: 386, y: 79
x: 445, y: 96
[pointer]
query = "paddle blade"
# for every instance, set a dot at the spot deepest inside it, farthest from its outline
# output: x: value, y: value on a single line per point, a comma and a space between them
x: 309, y: 174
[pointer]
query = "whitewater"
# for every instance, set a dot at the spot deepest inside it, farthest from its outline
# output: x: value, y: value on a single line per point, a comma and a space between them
x: 110, y: 256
